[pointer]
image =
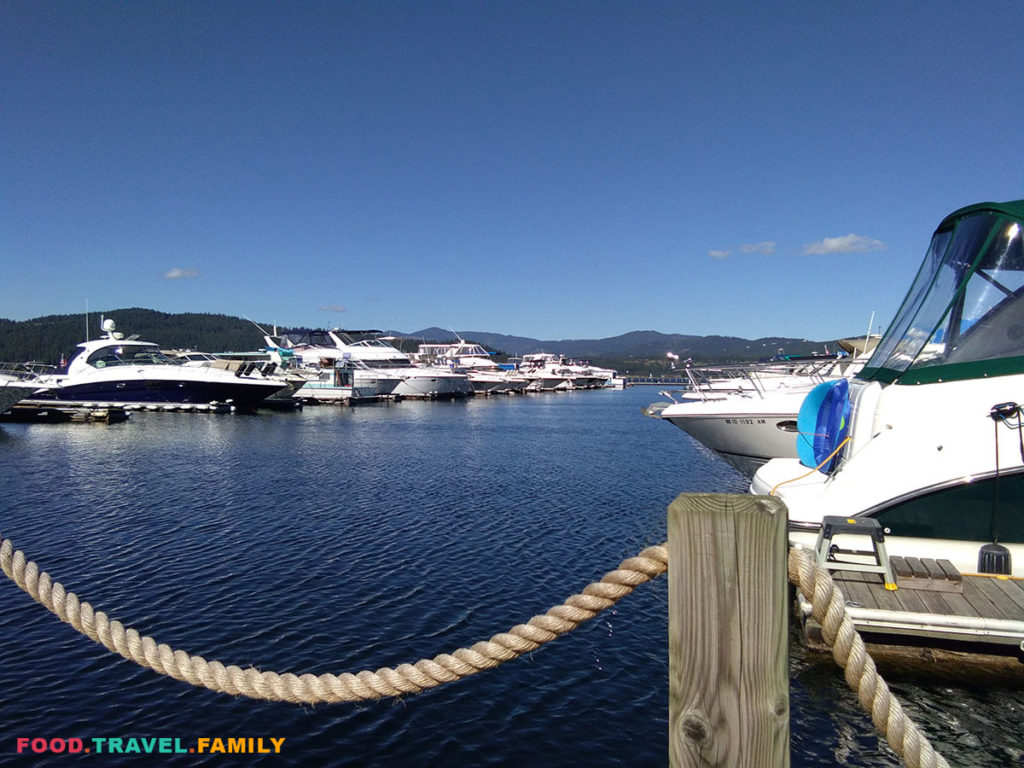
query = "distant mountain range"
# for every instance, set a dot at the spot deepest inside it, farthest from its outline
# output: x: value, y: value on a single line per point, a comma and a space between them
x: 645, y: 345
x: 47, y: 339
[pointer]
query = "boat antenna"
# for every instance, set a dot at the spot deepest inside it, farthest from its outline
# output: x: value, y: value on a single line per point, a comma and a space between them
x: 258, y: 326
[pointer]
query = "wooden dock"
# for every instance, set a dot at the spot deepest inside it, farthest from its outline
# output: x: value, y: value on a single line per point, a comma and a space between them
x: 933, y: 607
x: 52, y: 412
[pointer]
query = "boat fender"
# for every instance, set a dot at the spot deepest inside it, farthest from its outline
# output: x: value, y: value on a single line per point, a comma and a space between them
x: 995, y: 559
x: 822, y: 424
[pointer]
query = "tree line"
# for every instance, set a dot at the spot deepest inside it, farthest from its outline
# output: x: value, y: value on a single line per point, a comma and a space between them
x: 48, y: 339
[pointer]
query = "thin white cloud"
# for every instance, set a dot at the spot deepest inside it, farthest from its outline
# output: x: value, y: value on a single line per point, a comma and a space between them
x: 718, y: 254
x: 332, y: 308
x: 178, y: 274
x: 847, y: 244
x: 768, y: 246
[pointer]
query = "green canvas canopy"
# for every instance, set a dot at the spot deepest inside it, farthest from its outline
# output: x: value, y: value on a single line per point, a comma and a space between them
x: 964, y: 314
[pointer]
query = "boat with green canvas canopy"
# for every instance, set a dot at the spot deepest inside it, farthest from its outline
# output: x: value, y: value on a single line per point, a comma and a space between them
x: 930, y: 441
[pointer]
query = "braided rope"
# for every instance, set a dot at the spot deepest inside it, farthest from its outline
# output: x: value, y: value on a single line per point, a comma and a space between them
x: 814, y: 582
x: 828, y: 606
x: 330, y: 688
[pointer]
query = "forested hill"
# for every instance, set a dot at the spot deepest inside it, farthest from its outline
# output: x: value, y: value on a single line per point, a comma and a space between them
x: 46, y: 339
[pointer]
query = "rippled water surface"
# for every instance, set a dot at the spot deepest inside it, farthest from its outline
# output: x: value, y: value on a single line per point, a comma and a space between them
x: 337, y: 540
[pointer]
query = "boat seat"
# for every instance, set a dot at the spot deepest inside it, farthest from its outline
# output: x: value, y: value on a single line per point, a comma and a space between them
x: 825, y: 550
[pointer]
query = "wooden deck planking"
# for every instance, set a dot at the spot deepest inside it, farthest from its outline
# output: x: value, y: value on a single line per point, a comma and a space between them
x: 1000, y: 593
x: 957, y: 604
x: 856, y: 590
x: 981, y: 602
x: 935, y: 602
x: 983, y: 598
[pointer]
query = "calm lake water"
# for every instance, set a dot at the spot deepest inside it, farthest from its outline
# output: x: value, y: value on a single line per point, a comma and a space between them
x: 337, y: 540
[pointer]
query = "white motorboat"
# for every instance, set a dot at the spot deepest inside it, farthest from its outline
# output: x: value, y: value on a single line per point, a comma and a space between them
x: 928, y: 438
x: 334, y: 385
x: 607, y: 378
x: 306, y: 356
x: 123, y: 371
x: 545, y: 372
x: 746, y: 429
x: 584, y: 375
x: 747, y: 414
x: 16, y: 384
x: 485, y: 375
x: 378, y: 360
x: 427, y: 381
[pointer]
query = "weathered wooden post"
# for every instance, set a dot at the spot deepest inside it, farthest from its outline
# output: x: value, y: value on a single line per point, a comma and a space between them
x: 728, y: 652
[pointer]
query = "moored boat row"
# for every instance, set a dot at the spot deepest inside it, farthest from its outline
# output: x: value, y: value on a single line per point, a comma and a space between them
x: 333, y: 366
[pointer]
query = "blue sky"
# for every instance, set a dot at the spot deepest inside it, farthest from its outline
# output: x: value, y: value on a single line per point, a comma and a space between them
x: 546, y: 169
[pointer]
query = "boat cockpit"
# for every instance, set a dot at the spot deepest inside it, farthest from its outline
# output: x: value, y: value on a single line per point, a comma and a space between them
x: 963, y: 317
x: 127, y: 354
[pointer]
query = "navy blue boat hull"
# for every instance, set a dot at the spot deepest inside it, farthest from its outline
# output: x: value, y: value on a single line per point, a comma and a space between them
x: 163, y: 391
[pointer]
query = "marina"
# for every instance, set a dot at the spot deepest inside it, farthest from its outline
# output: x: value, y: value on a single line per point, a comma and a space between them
x: 664, y: 497
x: 937, y: 566
x: 254, y: 539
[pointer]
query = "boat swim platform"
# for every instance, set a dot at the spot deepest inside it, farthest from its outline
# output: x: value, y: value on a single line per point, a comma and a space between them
x: 934, y: 607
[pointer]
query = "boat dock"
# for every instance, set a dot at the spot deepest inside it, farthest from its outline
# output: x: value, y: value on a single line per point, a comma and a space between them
x: 933, y: 606
x: 51, y: 412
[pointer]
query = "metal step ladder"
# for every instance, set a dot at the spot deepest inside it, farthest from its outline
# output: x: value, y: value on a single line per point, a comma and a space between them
x: 825, y: 550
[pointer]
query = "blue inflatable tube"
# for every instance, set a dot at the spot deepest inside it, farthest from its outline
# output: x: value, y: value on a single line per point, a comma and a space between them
x: 823, y: 423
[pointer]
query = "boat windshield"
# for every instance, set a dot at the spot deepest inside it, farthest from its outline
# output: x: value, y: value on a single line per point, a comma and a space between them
x: 963, y: 317
x: 128, y: 354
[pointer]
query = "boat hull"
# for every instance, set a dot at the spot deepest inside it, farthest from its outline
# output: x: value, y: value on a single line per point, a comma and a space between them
x: 171, y: 390
x: 424, y: 383
x: 13, y: 392
x: 744, y: 440
x: 745, y: 430
x: 901, y: 452
x: 328, y: 393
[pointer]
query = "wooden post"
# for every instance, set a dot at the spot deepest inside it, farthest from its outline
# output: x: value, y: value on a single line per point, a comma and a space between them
x: 728, y: 649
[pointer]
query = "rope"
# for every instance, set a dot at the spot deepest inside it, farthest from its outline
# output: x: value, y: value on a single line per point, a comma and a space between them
x: 828, y: 606
x: 330, y: 688
x: 814, y: 582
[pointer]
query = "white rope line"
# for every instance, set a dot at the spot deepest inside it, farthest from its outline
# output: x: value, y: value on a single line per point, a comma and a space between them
x: 814, y: 582
x: 828, y: 606
x: 330, y: 688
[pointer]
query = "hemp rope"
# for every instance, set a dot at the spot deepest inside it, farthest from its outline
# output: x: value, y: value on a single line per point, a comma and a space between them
x: 313, y: 689
x: 814, y: 581
x: 828, y: 606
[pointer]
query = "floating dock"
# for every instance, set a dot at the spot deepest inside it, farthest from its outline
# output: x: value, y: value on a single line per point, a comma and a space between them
x: 50, y: 412
x: 934, y: 606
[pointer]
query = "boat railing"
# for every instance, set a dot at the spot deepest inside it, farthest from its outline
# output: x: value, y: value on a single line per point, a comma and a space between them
x: 753, y: 379
x: 26, y: 371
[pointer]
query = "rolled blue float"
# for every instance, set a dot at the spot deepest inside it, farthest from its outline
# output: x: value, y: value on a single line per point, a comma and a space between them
x: 822, y: 423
